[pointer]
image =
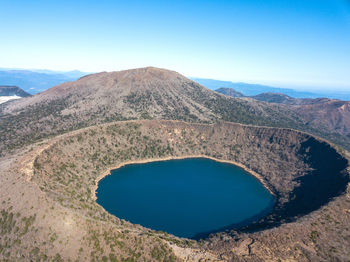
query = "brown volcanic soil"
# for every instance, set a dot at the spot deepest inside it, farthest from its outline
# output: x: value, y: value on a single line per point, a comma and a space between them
x: 324, y: 113
x: 329, y: 114
x: 48, y: 208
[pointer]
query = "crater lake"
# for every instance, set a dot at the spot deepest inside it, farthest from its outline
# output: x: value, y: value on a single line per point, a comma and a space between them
x: 189, y: 197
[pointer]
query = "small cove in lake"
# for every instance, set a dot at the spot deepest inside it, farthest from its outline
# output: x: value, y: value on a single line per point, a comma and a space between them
x: 188, y: 197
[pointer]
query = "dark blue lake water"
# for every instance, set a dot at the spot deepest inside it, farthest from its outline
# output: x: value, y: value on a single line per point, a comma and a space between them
x: 184, y: 197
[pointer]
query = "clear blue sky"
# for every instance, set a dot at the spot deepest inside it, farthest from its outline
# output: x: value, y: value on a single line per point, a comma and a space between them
x: 285, y: 42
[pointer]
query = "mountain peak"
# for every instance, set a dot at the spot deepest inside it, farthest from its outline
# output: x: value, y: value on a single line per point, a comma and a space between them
x: 144, y: 91
x: 138, y: 74
x: 151, y: 72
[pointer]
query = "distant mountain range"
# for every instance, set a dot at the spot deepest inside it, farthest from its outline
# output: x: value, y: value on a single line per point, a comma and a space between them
x: 36, y: 81
x: 256, y: 89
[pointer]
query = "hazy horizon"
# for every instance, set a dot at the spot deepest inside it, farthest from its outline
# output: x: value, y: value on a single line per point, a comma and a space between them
x: 305, y: 88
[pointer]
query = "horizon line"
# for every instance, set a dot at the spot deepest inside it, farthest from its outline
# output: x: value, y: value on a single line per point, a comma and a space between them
x: 297, y: 86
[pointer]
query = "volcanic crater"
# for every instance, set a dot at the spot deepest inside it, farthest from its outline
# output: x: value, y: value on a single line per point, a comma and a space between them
x: 302, y: 171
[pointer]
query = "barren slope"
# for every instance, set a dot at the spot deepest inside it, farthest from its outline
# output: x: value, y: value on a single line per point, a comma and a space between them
x: 329, y: 118
x: 328, y: 114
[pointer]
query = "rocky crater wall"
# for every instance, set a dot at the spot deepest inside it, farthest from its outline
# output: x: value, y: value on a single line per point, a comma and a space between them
x: 302, y: 171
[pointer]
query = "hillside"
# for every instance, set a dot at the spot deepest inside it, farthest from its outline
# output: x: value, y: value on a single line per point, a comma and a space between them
x: 327, y: 114
x: 145, y: 93
x: 320, y: 113
x: 280, y: 98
